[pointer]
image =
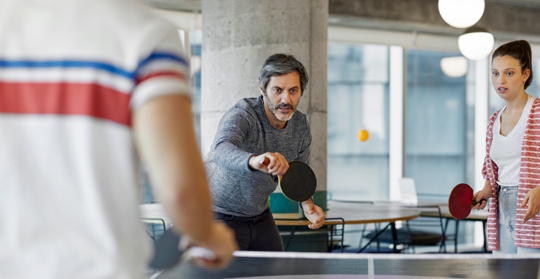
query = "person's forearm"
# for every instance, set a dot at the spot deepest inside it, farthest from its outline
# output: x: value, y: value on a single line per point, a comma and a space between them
x: 487, y: 186
x: 166, y: 141
x: 231, y: 157
x: 188, y: 202
x: 231, y: 135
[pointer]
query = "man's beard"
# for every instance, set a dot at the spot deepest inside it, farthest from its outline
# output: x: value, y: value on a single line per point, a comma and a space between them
x: 273, y: 108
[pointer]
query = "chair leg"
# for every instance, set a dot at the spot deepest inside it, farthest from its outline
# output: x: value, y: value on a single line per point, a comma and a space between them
x: 443, y: 237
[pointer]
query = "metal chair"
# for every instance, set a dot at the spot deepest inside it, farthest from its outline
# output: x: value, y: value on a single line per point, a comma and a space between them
x: 329, y: 235
x: 155, y: 219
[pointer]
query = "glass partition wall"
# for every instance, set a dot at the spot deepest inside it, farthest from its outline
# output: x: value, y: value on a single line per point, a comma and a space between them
x: 358, y: 85
x: 438, y: 124
x: 438, y: 130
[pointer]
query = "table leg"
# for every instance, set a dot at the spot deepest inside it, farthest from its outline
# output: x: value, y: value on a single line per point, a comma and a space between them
x: 376, y: 236
x: 456, y: 236
x: 290, y: 238
x: 394, y: 235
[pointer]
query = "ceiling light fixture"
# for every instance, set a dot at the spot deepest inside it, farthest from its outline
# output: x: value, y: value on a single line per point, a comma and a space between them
x: 455, y: 66
x: 461, y: 13
x: 476, y: 43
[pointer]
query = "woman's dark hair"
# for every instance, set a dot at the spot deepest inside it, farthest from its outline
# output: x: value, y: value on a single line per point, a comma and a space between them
x: 519, y: 50
x: 282, y: 64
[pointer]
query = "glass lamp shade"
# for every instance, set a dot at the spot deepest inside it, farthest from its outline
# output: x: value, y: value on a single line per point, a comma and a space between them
x: 461, y: 13
x: 454, y: 66
x: 476, y: 43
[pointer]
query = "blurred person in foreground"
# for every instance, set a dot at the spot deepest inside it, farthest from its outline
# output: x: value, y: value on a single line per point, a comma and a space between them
x: 87, y: 89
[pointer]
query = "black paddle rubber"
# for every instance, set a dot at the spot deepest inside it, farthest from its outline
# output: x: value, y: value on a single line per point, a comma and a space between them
x: 299, y: 182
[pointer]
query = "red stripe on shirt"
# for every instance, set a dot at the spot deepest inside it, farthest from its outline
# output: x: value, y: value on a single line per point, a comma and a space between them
x: 165, y: 73
x: 66, y: 99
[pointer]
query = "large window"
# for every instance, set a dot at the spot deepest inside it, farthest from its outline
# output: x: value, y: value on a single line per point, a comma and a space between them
x: 439, y: 123
x: 358, y: 89
x: 439, y: 126
x: 195, y: 38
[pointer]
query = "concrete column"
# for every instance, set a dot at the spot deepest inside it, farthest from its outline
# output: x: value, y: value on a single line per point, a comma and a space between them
x: 238, y: 35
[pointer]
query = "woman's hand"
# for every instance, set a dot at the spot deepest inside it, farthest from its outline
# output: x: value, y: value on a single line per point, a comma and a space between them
x: 533, y: 199
x: 482, y: 196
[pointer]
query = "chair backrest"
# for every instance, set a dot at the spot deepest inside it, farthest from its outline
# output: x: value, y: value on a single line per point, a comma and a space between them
x: 408, y: 191
x: 155, y: 218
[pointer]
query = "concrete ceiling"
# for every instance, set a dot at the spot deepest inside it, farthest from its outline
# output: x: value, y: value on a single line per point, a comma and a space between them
x: 176, y: 5
x: 506, y: 19
x: 523, y: 3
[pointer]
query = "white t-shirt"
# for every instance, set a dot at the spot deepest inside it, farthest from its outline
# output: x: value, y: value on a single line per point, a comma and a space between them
x: 506, y: 150
x: 71, y: 72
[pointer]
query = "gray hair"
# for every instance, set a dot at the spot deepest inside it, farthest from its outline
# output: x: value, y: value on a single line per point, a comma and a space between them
x: 282, y: 64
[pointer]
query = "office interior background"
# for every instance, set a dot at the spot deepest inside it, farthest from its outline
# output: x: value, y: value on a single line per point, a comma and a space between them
x: 375, y: 46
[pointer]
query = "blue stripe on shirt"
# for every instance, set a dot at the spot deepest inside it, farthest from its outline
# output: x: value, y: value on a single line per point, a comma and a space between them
x: 92, y: 64
x: 65, y: 64
x: 162, y: 56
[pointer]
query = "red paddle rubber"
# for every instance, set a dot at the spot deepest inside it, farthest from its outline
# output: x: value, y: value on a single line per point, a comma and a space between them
x: 460, y: 201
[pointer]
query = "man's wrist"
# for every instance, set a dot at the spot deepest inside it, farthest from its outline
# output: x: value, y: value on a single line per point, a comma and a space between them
x: 306, y: 201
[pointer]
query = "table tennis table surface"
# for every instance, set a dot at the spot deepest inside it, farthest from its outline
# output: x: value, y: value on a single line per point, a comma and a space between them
x: 281, y: 265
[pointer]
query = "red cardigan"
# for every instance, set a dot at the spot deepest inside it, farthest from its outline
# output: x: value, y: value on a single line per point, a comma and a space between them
x: 526, y: 234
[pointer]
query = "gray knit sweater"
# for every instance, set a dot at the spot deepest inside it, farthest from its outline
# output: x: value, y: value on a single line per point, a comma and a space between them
x: 244, y: 131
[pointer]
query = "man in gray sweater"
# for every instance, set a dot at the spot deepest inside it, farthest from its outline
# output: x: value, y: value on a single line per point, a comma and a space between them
x: 268, y: 126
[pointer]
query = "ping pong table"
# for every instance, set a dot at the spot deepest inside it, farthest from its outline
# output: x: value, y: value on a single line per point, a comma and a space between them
x: 281, y: 265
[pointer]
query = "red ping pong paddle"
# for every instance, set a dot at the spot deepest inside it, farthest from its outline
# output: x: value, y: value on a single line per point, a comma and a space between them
x: 299, y: 182
x: 461, y: 201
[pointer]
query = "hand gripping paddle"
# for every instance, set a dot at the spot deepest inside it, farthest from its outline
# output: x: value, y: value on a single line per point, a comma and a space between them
x: 461, y: 201
x: 167, y: 251
x: 299, y: 182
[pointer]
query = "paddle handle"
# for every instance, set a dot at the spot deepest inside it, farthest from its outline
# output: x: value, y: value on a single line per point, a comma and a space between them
x: 474, y: 202
x: 265, y: 161
x: 199, y: 252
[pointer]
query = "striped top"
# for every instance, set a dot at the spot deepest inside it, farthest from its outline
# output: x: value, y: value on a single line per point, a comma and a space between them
x: 526, y: 234
x: 71, y: 73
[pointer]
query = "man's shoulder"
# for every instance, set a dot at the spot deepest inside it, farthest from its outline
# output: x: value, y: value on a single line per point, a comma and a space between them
x: 246, y: 105
x: 250, y: 102
x: 300, y: 118
x: 300, y: 115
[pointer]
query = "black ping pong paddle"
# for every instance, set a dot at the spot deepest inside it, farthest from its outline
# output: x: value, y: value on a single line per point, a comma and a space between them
x: 461, y: 201
x: 299, y: 182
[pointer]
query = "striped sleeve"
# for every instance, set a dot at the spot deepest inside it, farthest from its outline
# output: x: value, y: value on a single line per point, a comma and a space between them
x: 489, y: 138
x: 490, y: 171
x: 528, y: 234
x: 164, y: 70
